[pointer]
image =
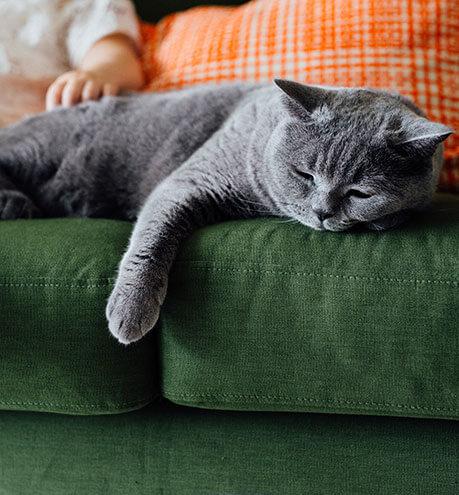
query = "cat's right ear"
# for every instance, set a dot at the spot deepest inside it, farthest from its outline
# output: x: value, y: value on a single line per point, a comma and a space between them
x: 302, y: 99
x: 421, y: 138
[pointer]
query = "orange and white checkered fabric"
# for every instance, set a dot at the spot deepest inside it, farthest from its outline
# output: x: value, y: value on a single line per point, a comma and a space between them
x: 411, y: 46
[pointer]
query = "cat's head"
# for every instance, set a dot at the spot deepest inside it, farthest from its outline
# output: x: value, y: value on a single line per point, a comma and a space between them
x: 342, y: 157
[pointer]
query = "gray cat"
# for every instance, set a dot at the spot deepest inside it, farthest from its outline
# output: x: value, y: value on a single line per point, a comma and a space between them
x: 330, y: 158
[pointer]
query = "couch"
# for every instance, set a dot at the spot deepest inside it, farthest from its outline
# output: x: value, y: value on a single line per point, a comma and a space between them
x: 286, y: 361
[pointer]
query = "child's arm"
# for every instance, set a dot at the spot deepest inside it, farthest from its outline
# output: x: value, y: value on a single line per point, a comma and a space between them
x: 111, y: 65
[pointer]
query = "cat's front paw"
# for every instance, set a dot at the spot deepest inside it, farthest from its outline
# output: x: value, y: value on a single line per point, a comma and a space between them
x: 15, y: 204
x: 131, y: 313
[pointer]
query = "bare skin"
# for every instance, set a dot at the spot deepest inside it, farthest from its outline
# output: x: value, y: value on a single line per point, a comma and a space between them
x: 110, y: 66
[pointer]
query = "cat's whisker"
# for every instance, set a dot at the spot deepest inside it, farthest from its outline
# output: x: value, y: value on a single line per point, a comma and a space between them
x: 289, y: 220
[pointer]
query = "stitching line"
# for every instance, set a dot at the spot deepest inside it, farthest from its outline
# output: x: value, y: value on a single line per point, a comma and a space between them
x: 310, y: 400
x: 76, y: 406
x: 325, y: 275
x: 110, y: 280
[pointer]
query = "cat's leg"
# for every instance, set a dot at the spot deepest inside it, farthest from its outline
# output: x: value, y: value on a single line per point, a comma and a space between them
x: 210, y: 186
x: 182, y: 203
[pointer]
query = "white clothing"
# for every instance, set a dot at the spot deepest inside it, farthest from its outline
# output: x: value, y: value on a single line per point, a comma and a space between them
x: 44, y: 38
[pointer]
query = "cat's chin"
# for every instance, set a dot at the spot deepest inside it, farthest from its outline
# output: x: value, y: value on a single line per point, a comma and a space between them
x: 323, y: 227
x: 328, y: 226
x: 313, y: 225
x: 337, y: 228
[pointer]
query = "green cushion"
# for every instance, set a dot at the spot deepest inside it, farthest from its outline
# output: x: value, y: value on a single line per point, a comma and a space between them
x: 56, y: 353
x: 260, y: 315
x: 165, y: 450
x: 265, y: 315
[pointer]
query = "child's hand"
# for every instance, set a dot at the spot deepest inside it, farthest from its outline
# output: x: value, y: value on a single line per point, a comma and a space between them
x: 76, y: 86
x: 110, y: 66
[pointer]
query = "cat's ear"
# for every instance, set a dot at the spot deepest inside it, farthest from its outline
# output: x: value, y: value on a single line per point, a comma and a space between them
x: 302, y: 97
x: 421, y: 138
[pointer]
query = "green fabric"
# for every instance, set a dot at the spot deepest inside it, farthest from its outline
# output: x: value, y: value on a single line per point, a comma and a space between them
x: 56, y: 353
x: 265, y: 315
x: 165, y: 450
x: 260, y: 315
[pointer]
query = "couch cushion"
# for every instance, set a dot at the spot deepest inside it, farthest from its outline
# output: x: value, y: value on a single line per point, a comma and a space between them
x: 164, y: 450
x: 266, y: 315
x: 260, y: 315
x: 56, y: 353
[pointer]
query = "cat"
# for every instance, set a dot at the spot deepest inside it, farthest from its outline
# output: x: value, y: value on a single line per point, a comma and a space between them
x: 330, y: 158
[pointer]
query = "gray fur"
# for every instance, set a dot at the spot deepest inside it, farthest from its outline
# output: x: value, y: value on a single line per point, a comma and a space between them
x: 180, y: 160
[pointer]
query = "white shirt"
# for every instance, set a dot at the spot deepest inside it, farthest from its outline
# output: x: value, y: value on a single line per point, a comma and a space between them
x: 44, y: 38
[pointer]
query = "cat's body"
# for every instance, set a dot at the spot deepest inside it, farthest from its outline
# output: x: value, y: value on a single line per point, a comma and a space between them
x: 103, y: 160
x: 330, y: 158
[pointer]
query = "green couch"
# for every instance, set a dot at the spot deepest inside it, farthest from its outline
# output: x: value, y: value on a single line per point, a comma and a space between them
x: 286, y: 361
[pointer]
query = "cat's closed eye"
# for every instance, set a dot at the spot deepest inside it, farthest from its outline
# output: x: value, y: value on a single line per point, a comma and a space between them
x: 305, y: 175
x: 355, y: 193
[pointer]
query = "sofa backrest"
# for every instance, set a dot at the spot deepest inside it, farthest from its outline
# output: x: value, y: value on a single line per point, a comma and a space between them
x: 153, y: 10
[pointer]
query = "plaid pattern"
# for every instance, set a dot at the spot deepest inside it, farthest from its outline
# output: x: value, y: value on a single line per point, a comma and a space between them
x: 411, y: 46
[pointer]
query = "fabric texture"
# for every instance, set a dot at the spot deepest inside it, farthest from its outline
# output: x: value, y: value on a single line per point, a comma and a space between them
x: 93, y: 20
x: 411, y: 47
x: 164, y: 450
x: 263, y: 315
x: 56, y: 353
x: 260, y: 315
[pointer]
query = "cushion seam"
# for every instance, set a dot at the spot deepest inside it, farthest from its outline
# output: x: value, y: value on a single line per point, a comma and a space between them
x: 326, y: 275
x: 306, y: 400
x: 75, y: 406
x: 110, y: 280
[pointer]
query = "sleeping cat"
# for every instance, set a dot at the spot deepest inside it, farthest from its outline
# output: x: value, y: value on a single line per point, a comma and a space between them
x: 330, y: 158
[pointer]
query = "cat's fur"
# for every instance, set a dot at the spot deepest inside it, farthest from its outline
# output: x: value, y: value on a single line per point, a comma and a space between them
x: 180, y: 160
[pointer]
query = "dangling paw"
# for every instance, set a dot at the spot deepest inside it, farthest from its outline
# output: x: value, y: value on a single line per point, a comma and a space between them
x: 131, y: 313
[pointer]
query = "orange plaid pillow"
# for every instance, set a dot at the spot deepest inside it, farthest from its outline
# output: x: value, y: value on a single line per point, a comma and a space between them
x: 411, y: 46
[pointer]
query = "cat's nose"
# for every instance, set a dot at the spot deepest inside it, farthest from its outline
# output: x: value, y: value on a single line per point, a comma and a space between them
x: 322, y: 214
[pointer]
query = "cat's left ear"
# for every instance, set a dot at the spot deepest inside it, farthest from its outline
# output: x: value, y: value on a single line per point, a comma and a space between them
x: 421, y: 138
x: 302, y: 98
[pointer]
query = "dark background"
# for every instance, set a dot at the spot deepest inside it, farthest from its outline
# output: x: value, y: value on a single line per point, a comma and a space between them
x: 153, y: 10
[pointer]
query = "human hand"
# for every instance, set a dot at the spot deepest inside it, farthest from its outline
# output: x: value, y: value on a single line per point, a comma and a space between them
x: 76, y: 86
